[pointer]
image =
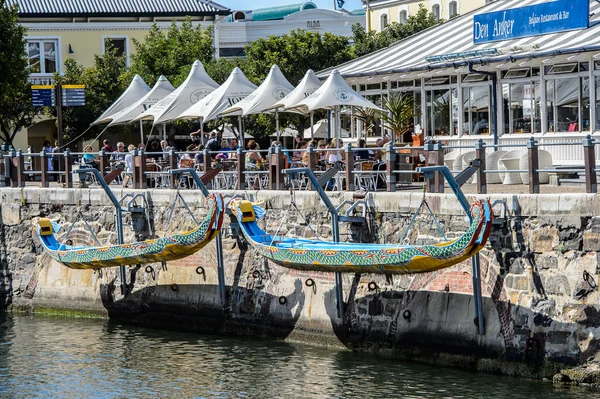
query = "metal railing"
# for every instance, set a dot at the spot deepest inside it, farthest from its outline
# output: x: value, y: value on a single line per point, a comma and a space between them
x: 390, y: 167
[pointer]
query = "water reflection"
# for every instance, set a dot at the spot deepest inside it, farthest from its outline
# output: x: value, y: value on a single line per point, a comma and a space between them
x: 42, y: 357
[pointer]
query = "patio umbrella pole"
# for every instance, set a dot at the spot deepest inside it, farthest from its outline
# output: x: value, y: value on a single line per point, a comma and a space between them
x: 164, y: 131
x: 312, y: 127
x: 277, y: 122
x: 241, y: 138
x: 141, y: 132
x: 202, y: 131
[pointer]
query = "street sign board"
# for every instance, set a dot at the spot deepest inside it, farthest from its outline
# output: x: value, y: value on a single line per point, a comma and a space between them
x: 42, y: 95
x: 73, y: 95
x: 538, y: 19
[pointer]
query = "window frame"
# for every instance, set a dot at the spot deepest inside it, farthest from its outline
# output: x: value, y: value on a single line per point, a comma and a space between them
x: 58, y: 59
x: 125, y: 37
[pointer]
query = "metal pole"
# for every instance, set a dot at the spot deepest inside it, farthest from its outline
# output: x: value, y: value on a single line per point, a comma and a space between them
x: 164, y: 131
x: 141, y: 132
x: 241, y: 139
x: 335, y: 232
x: 312, y: 127
x: 277, y: 122
x: 59, y: 118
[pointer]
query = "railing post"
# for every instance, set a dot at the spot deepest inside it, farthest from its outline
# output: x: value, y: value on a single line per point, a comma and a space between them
x: 104, y: 162
x: 312, y: 163
x: 3, y: 173
x: 241, y: 166
x: 481, y: 175
x: 16, y: 170
x: 135, y: 173
x: 276, y: 165
x: 349, y: 167
x: 143, y: 183
x: 438, y: 148
x: 589, y: 158
x: 44, y: 169
x: 172, y: 166
x: 391, y: 164
x: 207, y: 160
x: 68, y: 168
x: 429, y: 154
x: 534, y: 174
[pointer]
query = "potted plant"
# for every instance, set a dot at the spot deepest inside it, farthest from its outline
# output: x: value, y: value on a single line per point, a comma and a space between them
x: 399, y: 114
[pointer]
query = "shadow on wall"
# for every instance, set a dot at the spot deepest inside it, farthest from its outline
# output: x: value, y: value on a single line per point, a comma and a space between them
x: 251, y: 311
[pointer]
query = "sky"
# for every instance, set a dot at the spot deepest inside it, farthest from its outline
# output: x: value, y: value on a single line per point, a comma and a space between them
x: 251, y: 5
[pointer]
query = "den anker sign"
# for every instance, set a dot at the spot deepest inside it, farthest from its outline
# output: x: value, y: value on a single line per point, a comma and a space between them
x: 539, y: 19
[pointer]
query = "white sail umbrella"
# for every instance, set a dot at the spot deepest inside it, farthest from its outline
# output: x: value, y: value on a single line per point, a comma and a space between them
x: 334, y: 93
x: 161, y: 89
x: 307, y: 86
x: 196, y: 86
x: 233, y: 90
x: 275, y: 88
x: 136, y: 90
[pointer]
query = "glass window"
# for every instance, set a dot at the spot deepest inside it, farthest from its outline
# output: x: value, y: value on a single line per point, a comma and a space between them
x: 476, y: 110
x: 452, y: 9
x: 120, y: 43
x: 42, y: 56
x: 597, y: 102
x: 403, y: 17
x: 435, y: 9
x: 384, y: 21
x: 568, y: 104
x: 522, y: 107
x: 439, y: 111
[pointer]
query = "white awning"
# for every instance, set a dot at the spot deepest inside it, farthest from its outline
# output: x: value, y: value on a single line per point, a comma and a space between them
x: 136, y: 90
x: 456, y: 36
x: 196, y: 86
x: 161, y: 89
x: 273, y: 89
x: 235, y: 89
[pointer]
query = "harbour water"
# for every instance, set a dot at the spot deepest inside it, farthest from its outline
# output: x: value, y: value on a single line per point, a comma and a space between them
x: 51, y: 357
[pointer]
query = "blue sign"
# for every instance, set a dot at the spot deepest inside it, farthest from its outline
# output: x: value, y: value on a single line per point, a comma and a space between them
x: 42, y: 96
x: 73, y: 95
x: 539, y: 19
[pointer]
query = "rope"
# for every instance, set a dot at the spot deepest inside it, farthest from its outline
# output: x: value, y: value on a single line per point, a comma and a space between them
x: 78, y: 216
x: 417, y: 213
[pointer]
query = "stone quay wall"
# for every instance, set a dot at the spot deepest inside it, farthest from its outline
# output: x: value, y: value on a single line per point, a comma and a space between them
x: 539, y: 277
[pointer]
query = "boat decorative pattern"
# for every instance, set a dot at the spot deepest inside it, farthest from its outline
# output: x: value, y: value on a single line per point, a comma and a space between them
x: 312, y: 255
x: 162, y: 249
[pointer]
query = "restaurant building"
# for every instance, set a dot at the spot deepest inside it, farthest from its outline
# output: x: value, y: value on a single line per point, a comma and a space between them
x: 503, y: 73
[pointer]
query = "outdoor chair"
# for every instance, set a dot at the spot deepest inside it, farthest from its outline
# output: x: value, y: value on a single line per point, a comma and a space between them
x: 511, y: 161
x: 544, y: 162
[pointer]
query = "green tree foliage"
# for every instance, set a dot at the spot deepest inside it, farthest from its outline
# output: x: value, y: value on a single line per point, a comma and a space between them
x: 220, y: 69
x: 367, y: 42
x: 16, y: 111
x: 170, y: 53
x: 295, y: 53
x: 103, y: 87
x: 399, y: 112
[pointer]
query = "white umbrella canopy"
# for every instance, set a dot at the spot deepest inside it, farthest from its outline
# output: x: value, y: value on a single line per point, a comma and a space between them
x: 287, y: 132
x: 334, y: 92
x: 233, y: 90
x: 273, y: 89
x: 196, y: 86
x: 136, y: 90
x: 229, y: 134
x: 161, y: 89
x: 320, y: 131
x: 307, y: 86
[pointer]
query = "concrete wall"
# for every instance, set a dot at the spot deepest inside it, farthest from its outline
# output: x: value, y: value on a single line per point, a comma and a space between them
x: 539, y: 276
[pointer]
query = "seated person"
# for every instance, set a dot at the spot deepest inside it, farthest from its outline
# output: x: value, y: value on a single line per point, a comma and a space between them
x: 187, y: 159
x: 362, y: 154
x: 89, y: 159
x: 199, y: 156
x: 253, y: 157
x: 155, y: 152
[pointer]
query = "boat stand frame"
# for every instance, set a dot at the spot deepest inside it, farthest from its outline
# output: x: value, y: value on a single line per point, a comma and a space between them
x: 218, y: 239
x: 428, y: 173
x: 335, y: 229
x: 118, y: 216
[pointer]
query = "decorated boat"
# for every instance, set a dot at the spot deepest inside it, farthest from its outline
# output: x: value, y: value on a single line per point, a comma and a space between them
x: 162, y: 249
x: 313, y: 255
